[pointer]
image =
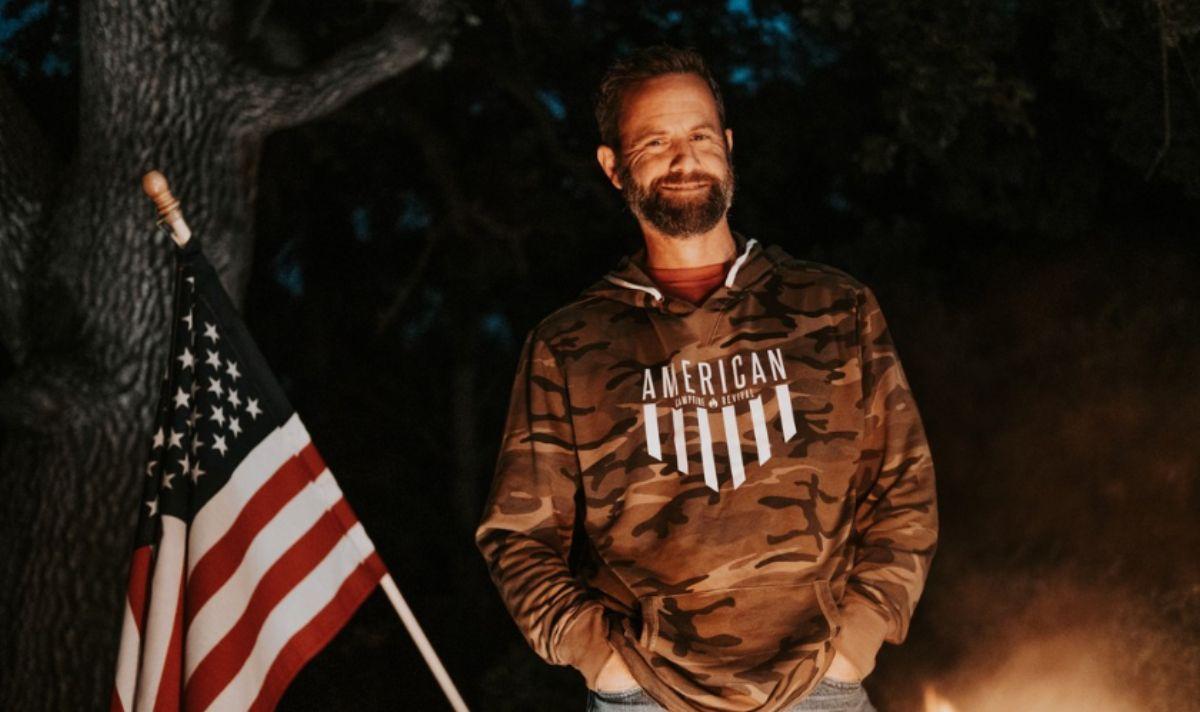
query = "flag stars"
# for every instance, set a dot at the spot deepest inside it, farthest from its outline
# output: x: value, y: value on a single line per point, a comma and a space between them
x: 150, y: 469
x: 196, y: 473
x: 234, y: 399
x: 214, y: 359
x: 210, y: 332
x: 219, y: 444
x: 167, y: 477
x: 232, y: 369
x: 152, y: 506
x: 235, y: 427
x: 176, y: 440
x: 188, y: 319
x: 158, y: 439
x: 196, y: 442
x: 214, y: 386
x: 186, y: 358
x: 184, y: 463
x: 218, y: 414
x: 181, y: 398
x: 252, y: 408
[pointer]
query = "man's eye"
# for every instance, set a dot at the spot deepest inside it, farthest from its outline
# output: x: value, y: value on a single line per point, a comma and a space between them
x: 654, y: 142
x: 701, y: 137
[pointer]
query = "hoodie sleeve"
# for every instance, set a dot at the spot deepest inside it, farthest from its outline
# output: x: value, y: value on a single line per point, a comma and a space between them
x: 895, y: 520
x: 528, y: 521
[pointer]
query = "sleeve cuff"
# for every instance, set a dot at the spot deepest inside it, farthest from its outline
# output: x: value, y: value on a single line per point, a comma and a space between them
x: 584, y: 644
x: 861, y: 634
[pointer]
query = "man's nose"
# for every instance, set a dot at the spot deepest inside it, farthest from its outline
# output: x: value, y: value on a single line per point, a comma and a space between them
x: 683, y: 155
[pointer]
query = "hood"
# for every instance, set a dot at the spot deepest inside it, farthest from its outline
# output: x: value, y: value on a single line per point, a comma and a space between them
x: 629, y: 282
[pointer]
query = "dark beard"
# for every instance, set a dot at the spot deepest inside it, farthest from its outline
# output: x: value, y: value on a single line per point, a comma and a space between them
x: 675, y: 217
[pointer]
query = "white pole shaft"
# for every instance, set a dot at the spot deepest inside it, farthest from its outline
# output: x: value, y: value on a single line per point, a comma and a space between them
x: 418, y: 636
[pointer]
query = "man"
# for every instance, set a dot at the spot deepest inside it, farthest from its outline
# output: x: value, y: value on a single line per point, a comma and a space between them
x: 733, y: 431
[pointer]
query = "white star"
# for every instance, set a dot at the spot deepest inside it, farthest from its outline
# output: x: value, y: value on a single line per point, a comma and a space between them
x: 214, y: 386
x: 213, y: 359
x: 218, y: 415
x: 183, y: 464
x: 234, y: 400
x: 234, y: 426
x: 210, y: 331
x: 194, y: 387
x: 158, y: 439
x: 232, y: 369
x: 188, y: 319
x: 176, y: 440
x: 219, y: 443
x: 181, y: 398
x: 252, y: 408
x: 150, y: 469
x: 196, y: 472
x: 196, y: 443
x: 186, y: 358
x: 152, y: 505
x: 192, y: 418
x: 166, y: 482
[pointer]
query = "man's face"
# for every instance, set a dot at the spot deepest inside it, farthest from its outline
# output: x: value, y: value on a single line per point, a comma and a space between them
x: 674, y: 168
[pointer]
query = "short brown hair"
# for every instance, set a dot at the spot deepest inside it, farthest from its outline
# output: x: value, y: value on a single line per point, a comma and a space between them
x: 642, y: 64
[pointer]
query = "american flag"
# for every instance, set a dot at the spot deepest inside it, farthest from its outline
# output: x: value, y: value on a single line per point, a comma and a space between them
x: 247, y: 558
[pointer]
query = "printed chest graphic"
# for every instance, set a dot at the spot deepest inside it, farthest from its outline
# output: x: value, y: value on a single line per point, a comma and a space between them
x: 713, y: 396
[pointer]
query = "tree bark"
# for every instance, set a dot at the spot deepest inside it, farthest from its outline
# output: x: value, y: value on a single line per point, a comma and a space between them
x: 85, y: 289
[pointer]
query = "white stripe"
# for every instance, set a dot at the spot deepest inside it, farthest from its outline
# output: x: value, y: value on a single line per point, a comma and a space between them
x: 706, y: 450
x: 738, y: 265
x: 294, y: 612
x: 164, y: 602
x: 221, y: 612
x: 761, y: 440
x: 733, y: 444
x: 681, y: 459
x: 631, y: 285
x: 211, y: 522
x: 127, y: 659
x: 650, y: 415
x: 784, y: 396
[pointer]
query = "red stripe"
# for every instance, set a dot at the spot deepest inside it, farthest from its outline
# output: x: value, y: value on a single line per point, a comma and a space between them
x: 314, y: 636
x: 139, y: 585
x: 219, y: 562
x: 115, y: 704
x: 224, y: 661
x: 170, y: 684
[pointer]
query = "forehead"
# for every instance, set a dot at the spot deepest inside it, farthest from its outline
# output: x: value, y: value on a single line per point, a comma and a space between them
x: 671, y: 101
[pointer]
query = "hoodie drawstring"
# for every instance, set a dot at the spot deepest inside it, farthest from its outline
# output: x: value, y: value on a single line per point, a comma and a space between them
x: 658, y: 295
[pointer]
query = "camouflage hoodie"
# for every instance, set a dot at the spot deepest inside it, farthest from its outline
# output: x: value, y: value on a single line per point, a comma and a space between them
x: 722, y: 494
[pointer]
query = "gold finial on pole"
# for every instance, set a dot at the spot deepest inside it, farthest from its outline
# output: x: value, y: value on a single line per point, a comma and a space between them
x: 154, y: 184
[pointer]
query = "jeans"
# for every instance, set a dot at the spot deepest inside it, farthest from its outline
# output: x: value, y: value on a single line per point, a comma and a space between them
x: 828, y: 696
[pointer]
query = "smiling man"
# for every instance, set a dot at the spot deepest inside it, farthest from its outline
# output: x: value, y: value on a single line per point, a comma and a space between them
x: 714, y: 490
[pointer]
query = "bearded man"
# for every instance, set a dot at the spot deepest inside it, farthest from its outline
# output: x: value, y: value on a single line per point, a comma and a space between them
x: 714, y: 490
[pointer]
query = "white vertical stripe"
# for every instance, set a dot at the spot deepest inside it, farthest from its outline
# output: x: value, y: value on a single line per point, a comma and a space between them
x: 211, y: 522
x: 127, y: 659
x: 650, y: 416
x: 784, y: 396
x: 219, y: 614
x: 761, y: 439
x: 733, y: 444
x: 164, y: 602
x: 706, y: 450
x: 294, y: 612
x: 681, y: 458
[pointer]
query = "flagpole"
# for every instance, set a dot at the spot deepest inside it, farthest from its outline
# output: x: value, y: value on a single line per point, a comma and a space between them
x: 418, y: 636
x: 154, y: 184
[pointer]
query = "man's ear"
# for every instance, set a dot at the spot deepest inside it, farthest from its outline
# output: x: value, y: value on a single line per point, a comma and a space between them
x: 729, y: 139
x: 608, y: 162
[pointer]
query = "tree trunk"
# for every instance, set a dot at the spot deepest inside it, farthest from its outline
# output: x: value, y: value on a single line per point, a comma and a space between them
x: 85, y: 279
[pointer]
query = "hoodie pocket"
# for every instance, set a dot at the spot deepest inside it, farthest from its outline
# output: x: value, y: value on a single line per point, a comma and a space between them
x: 749, y: 635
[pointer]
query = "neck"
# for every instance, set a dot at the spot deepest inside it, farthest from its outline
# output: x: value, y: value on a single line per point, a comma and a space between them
x: 707, y: 248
